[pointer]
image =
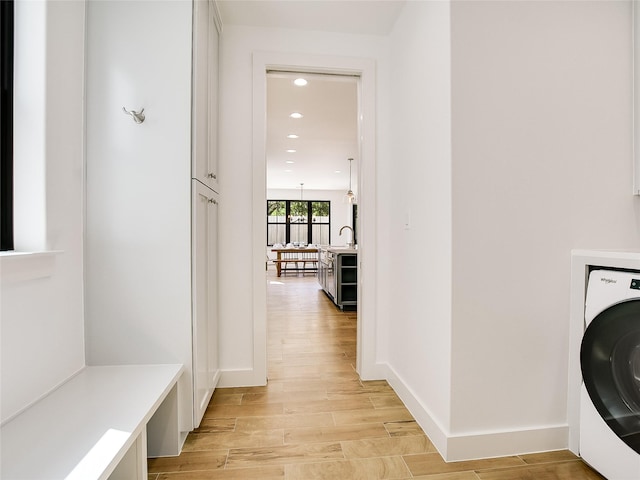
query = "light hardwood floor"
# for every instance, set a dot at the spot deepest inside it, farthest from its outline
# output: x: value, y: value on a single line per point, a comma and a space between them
x: 316, y: 420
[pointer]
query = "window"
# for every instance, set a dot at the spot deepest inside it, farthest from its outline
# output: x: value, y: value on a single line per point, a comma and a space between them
x: 298, y: 221
x: 6, y: 126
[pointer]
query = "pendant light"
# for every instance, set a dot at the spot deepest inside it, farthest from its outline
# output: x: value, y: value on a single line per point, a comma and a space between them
x: 290, y: 215
x: 350, y: 197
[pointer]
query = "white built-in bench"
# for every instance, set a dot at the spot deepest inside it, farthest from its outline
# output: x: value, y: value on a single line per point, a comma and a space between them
x: 101, y: 424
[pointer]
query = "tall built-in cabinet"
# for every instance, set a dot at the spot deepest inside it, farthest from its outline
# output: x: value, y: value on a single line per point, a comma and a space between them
x: 206, y: 28
x: 151, y: 218
x: 205, y: 201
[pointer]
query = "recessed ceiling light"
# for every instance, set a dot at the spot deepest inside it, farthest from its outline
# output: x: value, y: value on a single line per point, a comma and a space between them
x: 300, y: 82
x: 337, y: 171
x: 289, y: 161
x: 288, y: 171
x: 292, y: 135
x: 296, y: 115
x: 291, y: 150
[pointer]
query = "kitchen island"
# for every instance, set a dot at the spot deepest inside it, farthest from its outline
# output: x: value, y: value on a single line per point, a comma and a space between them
x: 338, y: 275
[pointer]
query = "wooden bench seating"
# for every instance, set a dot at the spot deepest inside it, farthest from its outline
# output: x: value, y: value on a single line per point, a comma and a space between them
x: 298, y: 263
x: 296, y: 259
x: 101, y: 424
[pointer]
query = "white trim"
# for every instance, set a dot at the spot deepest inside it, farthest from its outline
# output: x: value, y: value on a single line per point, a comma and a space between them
x: 240, y: 378
x: 477, y: 445
x: 25, y: 266
x: 217, y: 19
x: 366, y: 358
x: 431, y: 426
x: 30, y: 131
x: 482, y: 445
x: 366, y: 70
x: 259, y: 235
x: 635, y: 93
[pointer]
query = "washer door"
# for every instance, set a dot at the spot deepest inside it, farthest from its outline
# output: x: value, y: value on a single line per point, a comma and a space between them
x: 610, y: 362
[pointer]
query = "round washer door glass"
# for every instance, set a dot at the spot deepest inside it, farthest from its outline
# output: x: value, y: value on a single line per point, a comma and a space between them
x: 610, y: 362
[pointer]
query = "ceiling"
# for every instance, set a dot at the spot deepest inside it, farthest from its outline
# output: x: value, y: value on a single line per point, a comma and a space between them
x: 328, y: 131
x: 373, y: 17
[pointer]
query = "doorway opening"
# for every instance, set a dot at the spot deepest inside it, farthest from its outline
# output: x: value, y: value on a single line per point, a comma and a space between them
x: 311, y: 141
x: 364, y: 72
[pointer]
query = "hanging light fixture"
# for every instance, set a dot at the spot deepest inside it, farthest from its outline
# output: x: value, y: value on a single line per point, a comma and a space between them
x: 291, y: 217
x: 350, y: 197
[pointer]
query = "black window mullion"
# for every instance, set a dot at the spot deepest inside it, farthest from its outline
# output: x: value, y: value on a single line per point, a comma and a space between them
x: 287, y: 229
x: 6, y: 125
x: 309, y: 223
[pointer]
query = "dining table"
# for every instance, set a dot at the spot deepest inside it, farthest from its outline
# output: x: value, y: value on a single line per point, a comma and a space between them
x: 296, y: 255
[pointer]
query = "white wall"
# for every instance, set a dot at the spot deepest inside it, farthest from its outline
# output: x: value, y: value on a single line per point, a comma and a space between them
x: 238, y: 47
x: 537, y: 161
x: 138, y: 226
x: 340, y: 212
x: 41, y: 317
x: 542, y: 163
x: 419, y: 282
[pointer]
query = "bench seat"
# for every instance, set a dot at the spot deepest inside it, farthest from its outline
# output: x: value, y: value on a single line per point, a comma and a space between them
x: 297, y: 260
x: 284, y: 264
x: 95, y: 426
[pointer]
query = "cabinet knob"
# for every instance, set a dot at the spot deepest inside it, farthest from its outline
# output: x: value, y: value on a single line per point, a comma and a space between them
x: 212, y: 175
x: 213, y: 200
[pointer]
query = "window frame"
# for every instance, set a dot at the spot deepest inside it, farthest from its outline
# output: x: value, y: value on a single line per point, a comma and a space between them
x: 310, y: 223
x: 7, y: 23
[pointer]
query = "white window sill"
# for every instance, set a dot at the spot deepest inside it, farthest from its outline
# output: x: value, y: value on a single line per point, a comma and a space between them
x: 25, y: 266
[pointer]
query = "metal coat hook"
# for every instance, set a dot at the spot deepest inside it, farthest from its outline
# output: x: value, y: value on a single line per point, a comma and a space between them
x: 138, y: 117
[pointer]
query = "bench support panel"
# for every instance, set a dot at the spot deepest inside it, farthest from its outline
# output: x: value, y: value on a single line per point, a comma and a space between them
x: 163, y: 430
x: 133, y: 465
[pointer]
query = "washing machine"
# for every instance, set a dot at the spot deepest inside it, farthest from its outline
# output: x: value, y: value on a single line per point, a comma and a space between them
x: 610, y: 364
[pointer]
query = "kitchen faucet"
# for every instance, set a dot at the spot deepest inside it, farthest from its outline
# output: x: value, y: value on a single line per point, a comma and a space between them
x: 353, y: 243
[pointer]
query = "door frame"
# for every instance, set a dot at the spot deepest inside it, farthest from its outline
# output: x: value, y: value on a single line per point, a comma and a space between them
x: 365, y: 69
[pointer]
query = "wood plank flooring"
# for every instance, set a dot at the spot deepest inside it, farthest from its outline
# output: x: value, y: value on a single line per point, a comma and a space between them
x: 316, y: 420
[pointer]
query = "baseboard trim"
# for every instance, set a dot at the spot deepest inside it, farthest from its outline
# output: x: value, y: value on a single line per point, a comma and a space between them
x: 377, y: 371
x: 216, y: 379
x: 241, y: 378
x: 506, y: 443
x: 436, y: 433
x: 478, y: 445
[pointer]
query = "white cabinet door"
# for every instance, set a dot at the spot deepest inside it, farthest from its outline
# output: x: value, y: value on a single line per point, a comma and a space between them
x: 214, y: 69
x: 205, y: 308
x: 205, y: 94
